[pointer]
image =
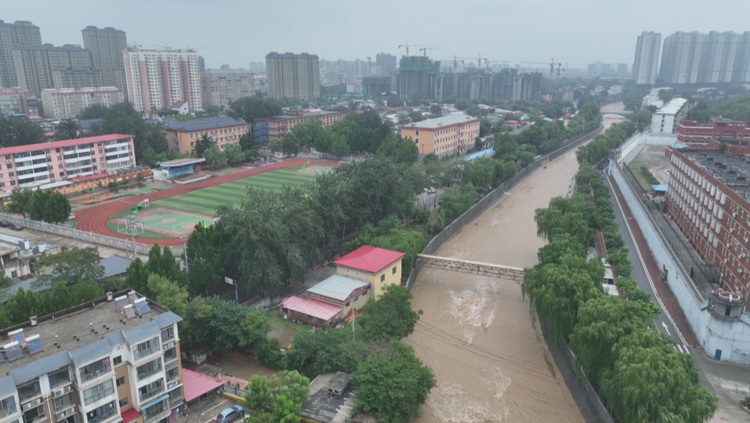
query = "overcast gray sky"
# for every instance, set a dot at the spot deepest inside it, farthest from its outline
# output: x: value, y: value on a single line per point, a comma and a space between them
x: 236, y: 32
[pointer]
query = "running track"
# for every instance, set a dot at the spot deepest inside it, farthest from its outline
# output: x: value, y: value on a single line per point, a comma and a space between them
x: 94, y: 219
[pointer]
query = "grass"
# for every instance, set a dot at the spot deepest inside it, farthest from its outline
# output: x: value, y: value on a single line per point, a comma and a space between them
x: 284, y: 329
x: 205, y: 201
x: 112, y: 226
x: 635, y: 167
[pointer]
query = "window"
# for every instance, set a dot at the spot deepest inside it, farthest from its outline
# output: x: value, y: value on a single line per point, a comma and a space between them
x: 117, y: 360
x: 382, y: 278
x: 7, y: 406
x: 121, y: 381
x: 123, y: 402
x: 98, y: 392
x: 167, y: 334
x: 102, y: 413
x: 393, y: 272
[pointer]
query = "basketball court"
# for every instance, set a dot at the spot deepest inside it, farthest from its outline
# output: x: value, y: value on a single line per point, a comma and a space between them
x: 164, y: 221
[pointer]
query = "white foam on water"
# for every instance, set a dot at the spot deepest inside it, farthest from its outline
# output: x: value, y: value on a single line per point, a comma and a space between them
x: 474, y: 308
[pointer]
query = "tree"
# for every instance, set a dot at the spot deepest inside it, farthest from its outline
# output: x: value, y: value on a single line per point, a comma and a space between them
x: 136, y: 278
x: 20, y: 201
x: 251, y: 108
x: 390, y: 316
x: 184, y: 118
x: 69, y: 267
x: 399, y: 149
x: 67, y: 130
x: 275, y: 145
x: 234, y: 153
x: 204, y: 144
x: 257, y: 395
x: 163, y: 263
x: 324, y: 140
x: 215, y: 157
x: 404, y: 241
x: 430, y: 159
x: 219, y: 330
x: 284, y: 395
x: 204, y: 256
x: 168, y: 294
x: 252, y: 331
x: 290, y: 145
x: 19, y: 131
x: 249, y: 141
x: 665, y: 96
x: 392, y: 386
x: 150, y: 158
x: 39, y: 201
x: 339, y: 146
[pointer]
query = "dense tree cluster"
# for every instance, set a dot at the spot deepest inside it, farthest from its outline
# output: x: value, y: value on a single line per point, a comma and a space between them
x: 42, y: 205
x: 639, y: 375
x: 601, y: 145
x: 16, y: 131
x: 737, y: 109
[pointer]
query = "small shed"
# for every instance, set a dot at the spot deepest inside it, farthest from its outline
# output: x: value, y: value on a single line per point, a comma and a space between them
x: 175, y: 168
x: 312, y: 312
x: 659, y: 190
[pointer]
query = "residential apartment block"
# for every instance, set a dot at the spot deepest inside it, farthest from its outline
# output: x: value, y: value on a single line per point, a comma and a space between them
x: 667, y: 119
x: 35, y: 64
x: 106, y: 46
x: 293, y: 76
x: 76, y: 78
x: 12, y: 34
x: 51, y: 164
x: 527, y: 87
x: 443, y: 136
x: 114, y: 360
x: 699, y: 58
x: 226, y: 86
x: 276, y: 127
x: 183, y: 136
x: 157, y: 79
x: 68, y: 102
x: 18, y: 101
x: 646, y: 61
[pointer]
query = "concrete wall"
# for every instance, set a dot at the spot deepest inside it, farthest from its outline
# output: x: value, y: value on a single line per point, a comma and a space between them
x: 732, y: 338
x: 645, y: 138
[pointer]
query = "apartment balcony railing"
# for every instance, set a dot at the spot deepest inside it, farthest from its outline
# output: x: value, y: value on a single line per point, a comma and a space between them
x: 150, y: 372
x: 93, y: 375
x: 151, y: 394
x: 102, y: 417
x: 137, y: 355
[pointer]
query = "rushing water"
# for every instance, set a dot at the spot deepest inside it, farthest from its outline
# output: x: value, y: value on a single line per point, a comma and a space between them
x: 488, y: 354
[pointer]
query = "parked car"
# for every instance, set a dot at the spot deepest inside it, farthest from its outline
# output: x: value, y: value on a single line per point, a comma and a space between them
x: 15, y: 227
x: 230, y: 414
x: 5, y: 224
x: 431, y: 190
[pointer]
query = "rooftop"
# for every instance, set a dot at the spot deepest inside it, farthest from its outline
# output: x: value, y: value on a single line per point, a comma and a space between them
x: 60, y: 144
x: 314, y: 308
x: 81, y: 334
x: 672, y: 107
x: 181, y: 162
x: 203, y: 124
x: 197, y: 384
x: 369, y: 259
x: 297, y: 116
x: 338, y: 287
x: 730, y: 170
x: 324, y: 406
x: 442, y: 121
x: 113, y: 266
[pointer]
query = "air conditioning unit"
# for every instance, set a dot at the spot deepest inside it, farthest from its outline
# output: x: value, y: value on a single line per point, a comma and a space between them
x: 58, y: 393
x: 66, y: 413
x: 731, y: 230
x: 169, y: 345
x: 32, y: 404
x: 173, y: 384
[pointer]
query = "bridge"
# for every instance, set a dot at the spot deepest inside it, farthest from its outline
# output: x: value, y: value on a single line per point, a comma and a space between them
x: 472, y: 267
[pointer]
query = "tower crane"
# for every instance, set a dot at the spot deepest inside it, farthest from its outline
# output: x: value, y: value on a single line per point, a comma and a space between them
x: 551, y: 65
x: 487, y: 63
x: 407, y: 45
x: 424, y: 50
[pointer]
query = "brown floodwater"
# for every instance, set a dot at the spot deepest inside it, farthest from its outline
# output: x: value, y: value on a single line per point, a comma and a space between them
x: 489, y: 358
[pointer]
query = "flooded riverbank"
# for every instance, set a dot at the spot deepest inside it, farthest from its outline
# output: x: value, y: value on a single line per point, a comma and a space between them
x: 488, y: 354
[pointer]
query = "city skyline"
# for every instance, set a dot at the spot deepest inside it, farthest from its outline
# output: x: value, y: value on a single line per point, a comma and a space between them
x: 314, y: 28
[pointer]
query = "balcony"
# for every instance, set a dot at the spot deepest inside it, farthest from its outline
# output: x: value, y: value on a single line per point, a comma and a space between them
x: 103, y: 417
x: 146, y: 349
x: 149, y: 372
x: 94, y: 397
x: 176, y: 396
x: 28, y: 392
x: 170, y: 355
x: 59, y: 379
x: 95, y: 370
x: 143, y: 396
x: 156, y: 411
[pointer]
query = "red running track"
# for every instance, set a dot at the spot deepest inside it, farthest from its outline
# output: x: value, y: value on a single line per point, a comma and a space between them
x: 94, y: 219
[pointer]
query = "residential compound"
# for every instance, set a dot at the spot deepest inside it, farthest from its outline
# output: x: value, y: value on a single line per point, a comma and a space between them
x: 276, y: 127
x: 49, y: 165
x: 114, y: 360
x: 106, y: 46
x: 443, y: 136
x: 157, y: 79
x: 226, y: 86
x: 183, y: 136
x: 667, y: 119
x: 68, y: 102
x: 45, y: 66
x: 695, y: 58
x: 293, y: 76
x: 13, y: 34
x: 646, y: 62
x: 18, y: 101
x: 720, y: 134
x: 360, y: 275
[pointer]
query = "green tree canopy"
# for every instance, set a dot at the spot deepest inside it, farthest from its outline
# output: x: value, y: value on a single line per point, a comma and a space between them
x: 20, y: 201
x: 67, y: 130
x: 215, y: 157
x: 399, y: 149
x: 203, y: 145
x: 233, y: 153
x: 204, y: 256
x: 390, y: 316
x: 251, y: 108
x: 290, y: 145
x: 69, y: 267
x: 19, y: 131
x: 252, y: 331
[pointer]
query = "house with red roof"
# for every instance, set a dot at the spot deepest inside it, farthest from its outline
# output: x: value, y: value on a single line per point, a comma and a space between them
x: 378, y: 266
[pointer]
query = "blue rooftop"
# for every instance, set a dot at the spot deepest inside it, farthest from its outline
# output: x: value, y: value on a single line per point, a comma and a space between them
x: 484, y: 153
x: 659, y: 188
x: 203, y: 124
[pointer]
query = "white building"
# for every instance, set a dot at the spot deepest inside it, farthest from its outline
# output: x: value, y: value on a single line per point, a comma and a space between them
x: 157, y: 79
x: 614, y: 90
x: 652, y: 98
x: 68, y: 102
x: 667, y: 119
x: 646, y: 58
x: 226, y: 86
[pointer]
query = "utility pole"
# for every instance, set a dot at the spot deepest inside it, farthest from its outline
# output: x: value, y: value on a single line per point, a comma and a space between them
x: 185, y: 239
x: 354, y: 316
x: 130, y: 229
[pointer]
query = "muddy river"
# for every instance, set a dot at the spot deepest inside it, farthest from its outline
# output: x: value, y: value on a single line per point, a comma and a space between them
x: 488, y: 354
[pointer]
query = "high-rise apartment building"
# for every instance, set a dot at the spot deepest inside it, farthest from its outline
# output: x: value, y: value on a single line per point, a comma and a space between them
x: 116, y: 359
x: 293, y: 76
x: 35, y: 64
x: 415, y: 75
x: 12, y: 34
x: 76, y: 78
x: 157, y: 79
x: 257, y: 67
x: 386, y: 63
x: 698, y: 58
x: 201, y: 64
x: 68, y: 102
x: 646, y: 61
x: 527, y: 87
x: 226, y: 86
x: 106, y: 46
x: 18, y: 101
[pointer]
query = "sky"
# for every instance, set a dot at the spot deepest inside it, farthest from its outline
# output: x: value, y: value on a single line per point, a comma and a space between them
x: 236, y: 32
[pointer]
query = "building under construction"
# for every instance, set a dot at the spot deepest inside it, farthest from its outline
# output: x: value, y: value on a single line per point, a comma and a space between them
x: 474, y: 85
x: 376, y: 85
x: 416, y: 75
x: 527, y: 87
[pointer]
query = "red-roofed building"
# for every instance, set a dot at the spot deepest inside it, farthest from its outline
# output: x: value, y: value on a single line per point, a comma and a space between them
x: 312, y: 312
x: 197, y: 384
x: 378, y: 266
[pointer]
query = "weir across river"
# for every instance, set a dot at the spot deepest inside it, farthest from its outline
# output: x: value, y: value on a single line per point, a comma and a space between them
x: 473, y: 267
